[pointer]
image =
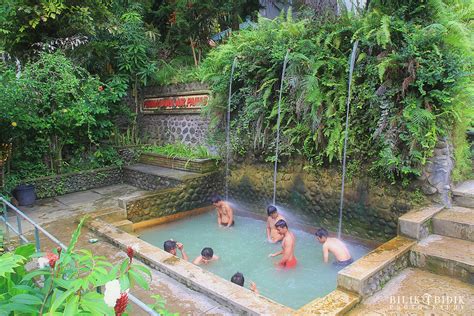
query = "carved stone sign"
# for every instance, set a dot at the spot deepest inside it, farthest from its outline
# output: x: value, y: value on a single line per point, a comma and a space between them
x: 173, y: 104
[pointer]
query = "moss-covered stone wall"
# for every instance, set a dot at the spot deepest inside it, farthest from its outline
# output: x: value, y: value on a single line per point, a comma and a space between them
x: 191, y: 194
x: 78, y: 181
x: 371, y: 209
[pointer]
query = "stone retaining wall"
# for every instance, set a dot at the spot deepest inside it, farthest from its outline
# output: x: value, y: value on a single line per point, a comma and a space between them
x: 191, y: 194
x: 78, y: 181
x: 376, y: 282
x: 147, y: 181
x: 371, y: 210
x: 188, y: 128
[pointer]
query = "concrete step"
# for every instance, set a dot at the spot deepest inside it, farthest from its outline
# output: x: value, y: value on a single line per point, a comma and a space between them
x: 445, y: 255
x: 417, y: 224
x: 125, y: 225
x: 369, y: 274
x: 149, y: 177
x: 457, y: 222
x: 463, y: 194
x: 336, y: 303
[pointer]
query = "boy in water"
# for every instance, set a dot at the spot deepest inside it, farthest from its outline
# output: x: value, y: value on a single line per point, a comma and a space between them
x: 207, y: 255
x: 238, y: 279
x: 225, y: 214
x: 171, y: 246
x: 334, y: 246
x: 288, y: 246
x: 273, y: 216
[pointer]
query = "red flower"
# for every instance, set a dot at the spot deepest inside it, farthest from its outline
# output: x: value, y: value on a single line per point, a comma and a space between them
x: 121, y: 304
x: 130, y: 253
x: 101, y: 88
x: 52, y: 258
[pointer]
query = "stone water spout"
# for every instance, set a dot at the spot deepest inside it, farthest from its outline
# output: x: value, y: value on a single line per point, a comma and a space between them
x: 346, y: 132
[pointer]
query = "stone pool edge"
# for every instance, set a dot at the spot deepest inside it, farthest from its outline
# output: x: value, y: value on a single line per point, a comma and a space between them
x: 239, y: 299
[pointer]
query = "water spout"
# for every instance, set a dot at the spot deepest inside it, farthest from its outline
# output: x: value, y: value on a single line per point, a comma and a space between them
x: 228, y: 131
x: 278, y: 126
x: 351, y: 69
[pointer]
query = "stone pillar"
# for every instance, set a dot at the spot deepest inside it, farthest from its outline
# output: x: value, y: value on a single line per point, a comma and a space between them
x: 436, y: 175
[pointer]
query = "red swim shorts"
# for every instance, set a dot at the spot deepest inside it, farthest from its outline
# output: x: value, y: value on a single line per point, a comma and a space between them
x: 290, y: 263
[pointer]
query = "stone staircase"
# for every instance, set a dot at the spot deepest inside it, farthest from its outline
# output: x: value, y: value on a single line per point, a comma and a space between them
x: 446, y: 240
x: 433, y: 242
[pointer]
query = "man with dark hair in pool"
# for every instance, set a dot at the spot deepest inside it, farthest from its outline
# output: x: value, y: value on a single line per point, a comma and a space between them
x: 225, y: 214
x: 273, y: 217
x: 238, y: 279
x: 288, y: 246
x: 334, y: 246
x: 207, y: 255
x: 171, y: 246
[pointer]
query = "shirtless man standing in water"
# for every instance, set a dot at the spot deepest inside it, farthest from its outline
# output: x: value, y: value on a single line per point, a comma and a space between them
x: 225, y: 214
x: 273, y: 217
x: 288, y: 246
x: 334, y: 246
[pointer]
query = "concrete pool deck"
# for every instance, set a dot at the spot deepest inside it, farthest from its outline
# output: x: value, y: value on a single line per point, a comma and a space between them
x: 60, y: 216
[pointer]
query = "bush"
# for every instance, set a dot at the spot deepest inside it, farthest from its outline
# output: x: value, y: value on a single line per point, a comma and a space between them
x: 66, y: 282
x: 405, y: 82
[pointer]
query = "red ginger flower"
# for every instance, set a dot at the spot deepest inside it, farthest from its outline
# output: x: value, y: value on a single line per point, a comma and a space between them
x: 121, y: 304
x: 130, y: 252
x: 52, y: 258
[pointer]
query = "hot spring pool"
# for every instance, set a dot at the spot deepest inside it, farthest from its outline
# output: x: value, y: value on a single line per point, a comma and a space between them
x: 244, y: 248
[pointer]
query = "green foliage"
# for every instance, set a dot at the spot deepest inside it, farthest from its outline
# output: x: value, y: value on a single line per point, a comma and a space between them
x: 68, y: 286
x: 53, y: 105
x: 405, y: 84
x: 180, y: 150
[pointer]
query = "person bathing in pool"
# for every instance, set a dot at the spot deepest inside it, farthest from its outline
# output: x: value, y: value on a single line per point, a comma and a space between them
x: 225, y: 214
x: 273, y: 216
x: 207, y: 256
x: 172, y: 246
x: 239, y: 279
x: 334, y: 246
x: 288, y: 259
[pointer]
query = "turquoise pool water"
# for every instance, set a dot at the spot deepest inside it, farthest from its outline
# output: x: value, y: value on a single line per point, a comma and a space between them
x: 244, y: 248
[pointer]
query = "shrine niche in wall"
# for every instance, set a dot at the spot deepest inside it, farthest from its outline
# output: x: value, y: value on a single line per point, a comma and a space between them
x: 183, y: 103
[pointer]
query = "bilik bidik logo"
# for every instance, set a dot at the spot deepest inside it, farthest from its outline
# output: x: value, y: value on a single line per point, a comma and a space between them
x: 446, y: 303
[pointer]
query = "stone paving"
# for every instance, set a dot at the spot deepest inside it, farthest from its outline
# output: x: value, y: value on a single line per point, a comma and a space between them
x: 418, y: 292
x: 60, y: 216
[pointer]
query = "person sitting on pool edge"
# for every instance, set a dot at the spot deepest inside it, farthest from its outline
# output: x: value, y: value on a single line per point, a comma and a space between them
x: 238, y: 278
x: 207, y: 255
x: 288, y: 246
x: 334, y: 246
x: 273, y: 216
x: 171, y: 246
x: 225, y: 214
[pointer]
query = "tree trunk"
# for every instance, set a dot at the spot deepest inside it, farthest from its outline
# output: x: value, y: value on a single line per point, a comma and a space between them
x: 194, y: 51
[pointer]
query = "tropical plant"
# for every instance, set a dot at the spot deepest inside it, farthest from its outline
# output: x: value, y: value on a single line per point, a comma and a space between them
x: 406, y: 81
x: 180, y: 150
x: 67, y: 281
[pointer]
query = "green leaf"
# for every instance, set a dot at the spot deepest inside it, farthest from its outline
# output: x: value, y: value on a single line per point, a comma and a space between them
x: 71, y: 306
x: 26, y: 299
x: 35, y: 273
x: 25, y: 250
x: 8, y: 262
x: 76, y: 235
x: 124, y: 282
x: 94, y: 303
x: 134, y: 276
x: 142, y: 269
